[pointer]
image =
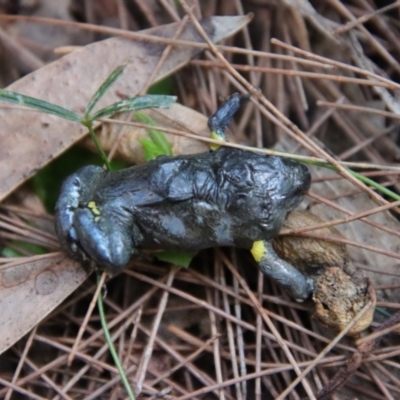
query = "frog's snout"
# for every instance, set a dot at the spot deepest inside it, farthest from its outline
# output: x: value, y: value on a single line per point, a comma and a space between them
x: 297, y: 181
x: 302, y: 181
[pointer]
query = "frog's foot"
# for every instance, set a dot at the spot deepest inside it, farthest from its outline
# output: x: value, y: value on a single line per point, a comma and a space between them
x: 104, y: 241
x: 73, y: 190
x: 223, y: 116
x: 66, y: 206
x: 295, y: 283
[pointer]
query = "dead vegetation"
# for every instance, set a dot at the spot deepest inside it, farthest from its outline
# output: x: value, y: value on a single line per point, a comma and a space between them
x: 324, y: 77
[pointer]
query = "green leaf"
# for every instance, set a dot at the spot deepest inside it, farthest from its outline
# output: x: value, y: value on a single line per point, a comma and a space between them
x: 136, y: 103
x: 158, y: 137
x: 8, y: 251
x: 164, y: 86
x: 47, y: 182
x: 182, y: 259
x: 151, y: 150
x: 104, y: 87
x: 41, y: 105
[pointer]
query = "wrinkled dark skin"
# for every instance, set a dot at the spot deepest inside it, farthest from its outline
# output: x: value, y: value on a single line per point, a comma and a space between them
x: 227, y: 197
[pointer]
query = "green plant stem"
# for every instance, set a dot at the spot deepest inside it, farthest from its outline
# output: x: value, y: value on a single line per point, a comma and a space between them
x: 111, y: 347
x: 89, y: 125
x: 376, y: 185
x: 360, y: 177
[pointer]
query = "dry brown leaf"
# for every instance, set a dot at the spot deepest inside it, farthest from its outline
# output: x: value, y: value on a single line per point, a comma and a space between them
x: 310, y: 254
x: 70, y: 82
x: 30, y: 291
x: 339, y: 296
x: 45, y: 38
x: 177, y: 117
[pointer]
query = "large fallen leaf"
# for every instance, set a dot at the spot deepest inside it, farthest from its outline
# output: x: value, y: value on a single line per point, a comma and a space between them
x: 30, y: 139
x: 30, y: 291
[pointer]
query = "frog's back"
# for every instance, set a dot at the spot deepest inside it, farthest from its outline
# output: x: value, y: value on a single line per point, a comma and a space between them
x: 164, y: 179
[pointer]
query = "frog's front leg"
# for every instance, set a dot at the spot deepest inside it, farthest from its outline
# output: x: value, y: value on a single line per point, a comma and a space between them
x: 295, y: 283
x: 67, y: 204
x: 218, y: 122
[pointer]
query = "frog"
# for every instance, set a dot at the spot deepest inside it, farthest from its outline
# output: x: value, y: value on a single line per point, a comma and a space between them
x: 224, y: 197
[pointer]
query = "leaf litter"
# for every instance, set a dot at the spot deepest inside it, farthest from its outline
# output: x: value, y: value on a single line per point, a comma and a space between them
x: 239, y: 363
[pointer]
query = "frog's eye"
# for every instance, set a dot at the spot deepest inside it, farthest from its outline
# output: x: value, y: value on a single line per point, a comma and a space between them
x: 299, y: 188
x: 234, y: 177
x: 241, y: 176
x: 297, y: 191
x: 76, y: 183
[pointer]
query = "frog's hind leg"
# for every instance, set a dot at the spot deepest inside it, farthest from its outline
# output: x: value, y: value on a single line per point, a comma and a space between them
x: 104, y: 239
x: 223, y: 116
x: 72, y: 192
x: 295, y: 283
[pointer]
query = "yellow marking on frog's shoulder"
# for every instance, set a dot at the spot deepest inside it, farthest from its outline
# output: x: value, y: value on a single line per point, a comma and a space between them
x: 93, y: 207
x: 214, y: 135
x: 258, y: 250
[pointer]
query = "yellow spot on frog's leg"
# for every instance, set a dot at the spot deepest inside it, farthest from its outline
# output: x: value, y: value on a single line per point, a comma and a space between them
x: 93, y: 207
x: 214, y: 135
x: 258, y: 250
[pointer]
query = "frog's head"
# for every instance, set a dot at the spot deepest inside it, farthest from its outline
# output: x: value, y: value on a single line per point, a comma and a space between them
x: 295, y: 180
x: 281, y: 184
x: 263, y: 189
